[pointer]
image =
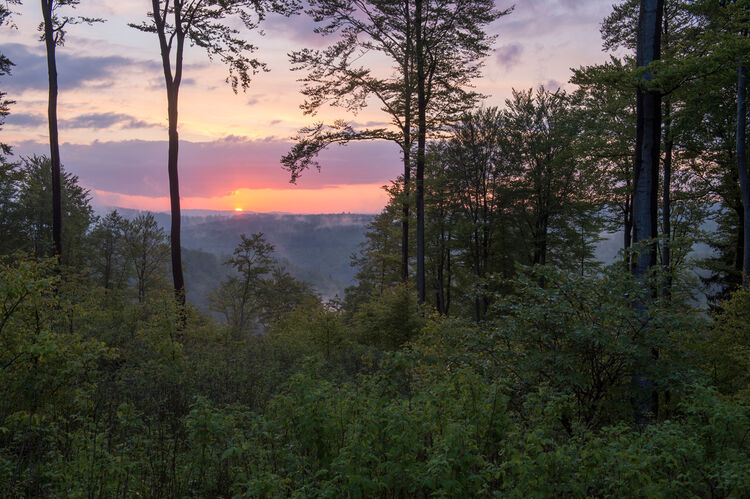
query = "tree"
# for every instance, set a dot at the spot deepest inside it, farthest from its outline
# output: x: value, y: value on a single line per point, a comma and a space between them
x: 207, y: 24
x: 146, y: 251
x: 646, y: 184
x: 648, y: 137
x: 553, y: 183
x: 450, y: 44
x: 107, y: 259
x: 35, y: 214
x: 53, y: 36
x: 237, y: 297
x: 608, y: 118
x: 478, y: 173
x: 377, y: 260
x: 436, y: 47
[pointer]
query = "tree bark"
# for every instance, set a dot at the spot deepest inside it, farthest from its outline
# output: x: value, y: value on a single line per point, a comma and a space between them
x: 54, y: 143
x: 648, y: 140
x: 742, y: 170
x: 421, y: 145
x: 645, y: 197
x: 407, y: 148
x: 666, y: 206
x: 174, y: 197
x: 173, y: 91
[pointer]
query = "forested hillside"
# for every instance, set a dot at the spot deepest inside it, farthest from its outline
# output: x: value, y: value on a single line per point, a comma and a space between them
x: 479, y: 348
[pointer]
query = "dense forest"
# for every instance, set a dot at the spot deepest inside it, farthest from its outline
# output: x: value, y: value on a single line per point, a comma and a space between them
x: 483, y: 350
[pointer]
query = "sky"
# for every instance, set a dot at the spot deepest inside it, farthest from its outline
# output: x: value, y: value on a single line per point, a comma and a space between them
x: 112, y: 108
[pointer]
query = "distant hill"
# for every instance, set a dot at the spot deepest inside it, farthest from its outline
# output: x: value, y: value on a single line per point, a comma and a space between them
x: 313, y: 248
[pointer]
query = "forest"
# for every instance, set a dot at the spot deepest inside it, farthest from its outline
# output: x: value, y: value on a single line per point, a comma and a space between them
x: 483, y: 350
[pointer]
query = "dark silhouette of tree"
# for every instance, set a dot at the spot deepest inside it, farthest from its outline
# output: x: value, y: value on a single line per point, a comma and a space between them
x: 648, y: 137
x: 646, y: 184
x: 209, y: 24
x: 34, y: 210
x: 436, y: 47
x: 146, y: 252
x: 53, y: 35
x: 107, y: 259
x: 477, y: 176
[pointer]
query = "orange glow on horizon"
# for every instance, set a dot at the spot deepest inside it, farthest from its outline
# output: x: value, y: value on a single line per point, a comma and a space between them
x: 355, y: 198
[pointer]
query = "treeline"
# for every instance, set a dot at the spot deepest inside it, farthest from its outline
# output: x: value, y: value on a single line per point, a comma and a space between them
x: 483, y: 352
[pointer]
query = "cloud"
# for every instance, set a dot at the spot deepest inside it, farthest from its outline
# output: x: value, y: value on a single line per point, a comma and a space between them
x: 30, y: 70
x: 105, y: 120
x: 299, y: 29
x: 509, y: 56
x: 210, y: 169
x: 552, y: 85
x: 532, y: 18
x: 158, y: 83
x: 97, y: 121
x: 26, y: 120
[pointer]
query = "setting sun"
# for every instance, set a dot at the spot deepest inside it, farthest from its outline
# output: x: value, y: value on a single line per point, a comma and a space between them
x: 238, y: 209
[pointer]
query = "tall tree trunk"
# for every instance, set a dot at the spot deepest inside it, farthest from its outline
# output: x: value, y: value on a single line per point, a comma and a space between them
x: 407, y: 148
x: 54, y: 143
x: 645, y: 197
x: 477, y: 274
x: 405, y: 212
x: 666, y: 208
x: 173, y: 91
x: 174, y: 197
x: 421, y: 145
x: 666, y: 201
x: 742, y: 169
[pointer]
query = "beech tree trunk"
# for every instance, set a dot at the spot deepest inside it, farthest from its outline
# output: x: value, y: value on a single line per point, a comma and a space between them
x: 54, y: 143
x: 666, y: 201
x: 407, y: 149
x: 421, y: 144
x: 174, y: 196
x: 648, y: 140
x: 172, y: 82
x: 645, y: 196
x: 742, y: 170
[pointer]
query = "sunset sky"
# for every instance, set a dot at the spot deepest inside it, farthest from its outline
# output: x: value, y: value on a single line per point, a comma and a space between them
x: 113, y: 108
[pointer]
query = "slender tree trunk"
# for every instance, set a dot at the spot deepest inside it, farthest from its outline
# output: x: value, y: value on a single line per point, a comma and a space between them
x: 628, y: 228
x: 407, y: 149
x: 477, y: 274
x: 440, y: 296
x: 54, y: 143
x: 405, y: 208
x: 172, y: 82
x: 742, y: 170
x: 174, y: 196
x: 421, y: 145
x: 449, y: 277
x: 646, y: 181
x: 666, y: 206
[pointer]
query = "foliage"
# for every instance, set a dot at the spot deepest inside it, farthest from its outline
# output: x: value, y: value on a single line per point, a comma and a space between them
x: 146, y: 252
x: 515, y: 379
x: 34, y: 210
